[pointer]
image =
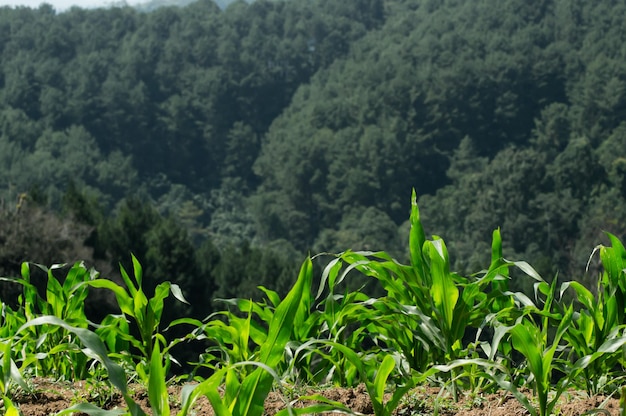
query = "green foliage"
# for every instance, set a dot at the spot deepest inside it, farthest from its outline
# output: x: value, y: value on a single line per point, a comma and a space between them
x: 9, y: 374
x: 246, y: 390
x: 430, y: 326
x: 263, y: 130
x: 30, y: 231
x: 600, y: 320
x: 145, y: 312
x: 305, y: 121
x: 96, y: 347
x: 62, y: 357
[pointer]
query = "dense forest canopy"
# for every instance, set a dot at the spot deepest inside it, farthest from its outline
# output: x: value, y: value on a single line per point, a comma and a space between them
x: 220, y: 144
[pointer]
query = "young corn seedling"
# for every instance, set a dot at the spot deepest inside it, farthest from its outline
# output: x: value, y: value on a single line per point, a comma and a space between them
x: 532, y: 341
x: 9, y: 374
x: 376, y: 371
x: 601, y: 317
x: 62, y: 357
x: 239, y: 338
x: 245, y: 391
x: 146, y: 313
x: 94, y: 348
x: 545, y: 352
x: 373, y: 373
x: 593, y: 325
x: 428, y: 309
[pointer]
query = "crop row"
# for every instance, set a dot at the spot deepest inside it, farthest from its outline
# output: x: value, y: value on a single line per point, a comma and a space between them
x: 466, y: 334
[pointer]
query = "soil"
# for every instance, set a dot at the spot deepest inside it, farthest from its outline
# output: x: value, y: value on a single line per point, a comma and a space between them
x: 50, y: 397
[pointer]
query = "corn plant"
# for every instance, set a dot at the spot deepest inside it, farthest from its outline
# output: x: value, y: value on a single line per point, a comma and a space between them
x: 9, y: 374
x: 601, y: 317
x: 62, y: 356
x: 428, y: 309
x: 538, y: 335
x: 339, y: 322
x: 532, y: 341
x: 93, y: 347
x: 374, y: 373
x: 246, y: 390
x: 146, y: 313
x: 593, y: 325
x: 238, y: 336
x: 334, y: 318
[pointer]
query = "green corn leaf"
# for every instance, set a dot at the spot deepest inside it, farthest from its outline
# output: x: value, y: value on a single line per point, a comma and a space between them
x: 131, y: 286
x: 210, y: 389
x: 138, y: 271
x: 499, y: 269
x: 380, y: 381
x: 612, y: 344
x: 25, y: 271
x: 271, y: 295
x: 161, y: 292
x: 614, y: 262
x: 323, y: 405
x: 444, y: 292
x: 280, y: 327
x: 244, y: 305
x: 527, y: 341
x: 375, y: 388
x: 94, y: 343
x: 6, y: 366
x: 77, y: 274
x: 9, y: 408
x: 521, y: 397
x: 188, y: 321
x: 609, y: 318
x: 115, y: 333
x: 580, y: 335
x: 124, y: 300
x: 303, y: 312
x: 416, y: 241
x: 398, y: 394
x: 496, y: 246
x: 528, y: 269
x: 16, y: 376
x: 54, y: 296
x: 583, y: 295
x: 329, y: 275
x: 232, y: 387
x: 356, y: 261
x: 91, y: 410
x: 523, y: 300
x: 157, y: 389
x: 618, y: 247
x: 256, y: 386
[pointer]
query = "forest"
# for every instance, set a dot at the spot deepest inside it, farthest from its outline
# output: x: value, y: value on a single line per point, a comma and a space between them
x: 222, y: 146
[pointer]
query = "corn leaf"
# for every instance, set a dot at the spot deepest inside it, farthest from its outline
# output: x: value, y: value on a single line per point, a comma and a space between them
x: 257, y: 385
x: 157, y: 390
x: 444, y: 292
x: 323, y: 405
x: 94, y: 343
x: 9, y: 408
x: 416, y: 241
x: 380, y: 381
x: 91, y: 410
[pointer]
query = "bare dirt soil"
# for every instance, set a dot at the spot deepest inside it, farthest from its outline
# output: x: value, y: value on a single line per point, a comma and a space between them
x: 50, y: 397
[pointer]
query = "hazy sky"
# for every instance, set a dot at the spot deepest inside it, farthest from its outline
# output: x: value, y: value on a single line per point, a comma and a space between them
x: 61, y: 5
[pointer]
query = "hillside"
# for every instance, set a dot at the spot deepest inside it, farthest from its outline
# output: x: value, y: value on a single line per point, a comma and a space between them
x: 202, y: 136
